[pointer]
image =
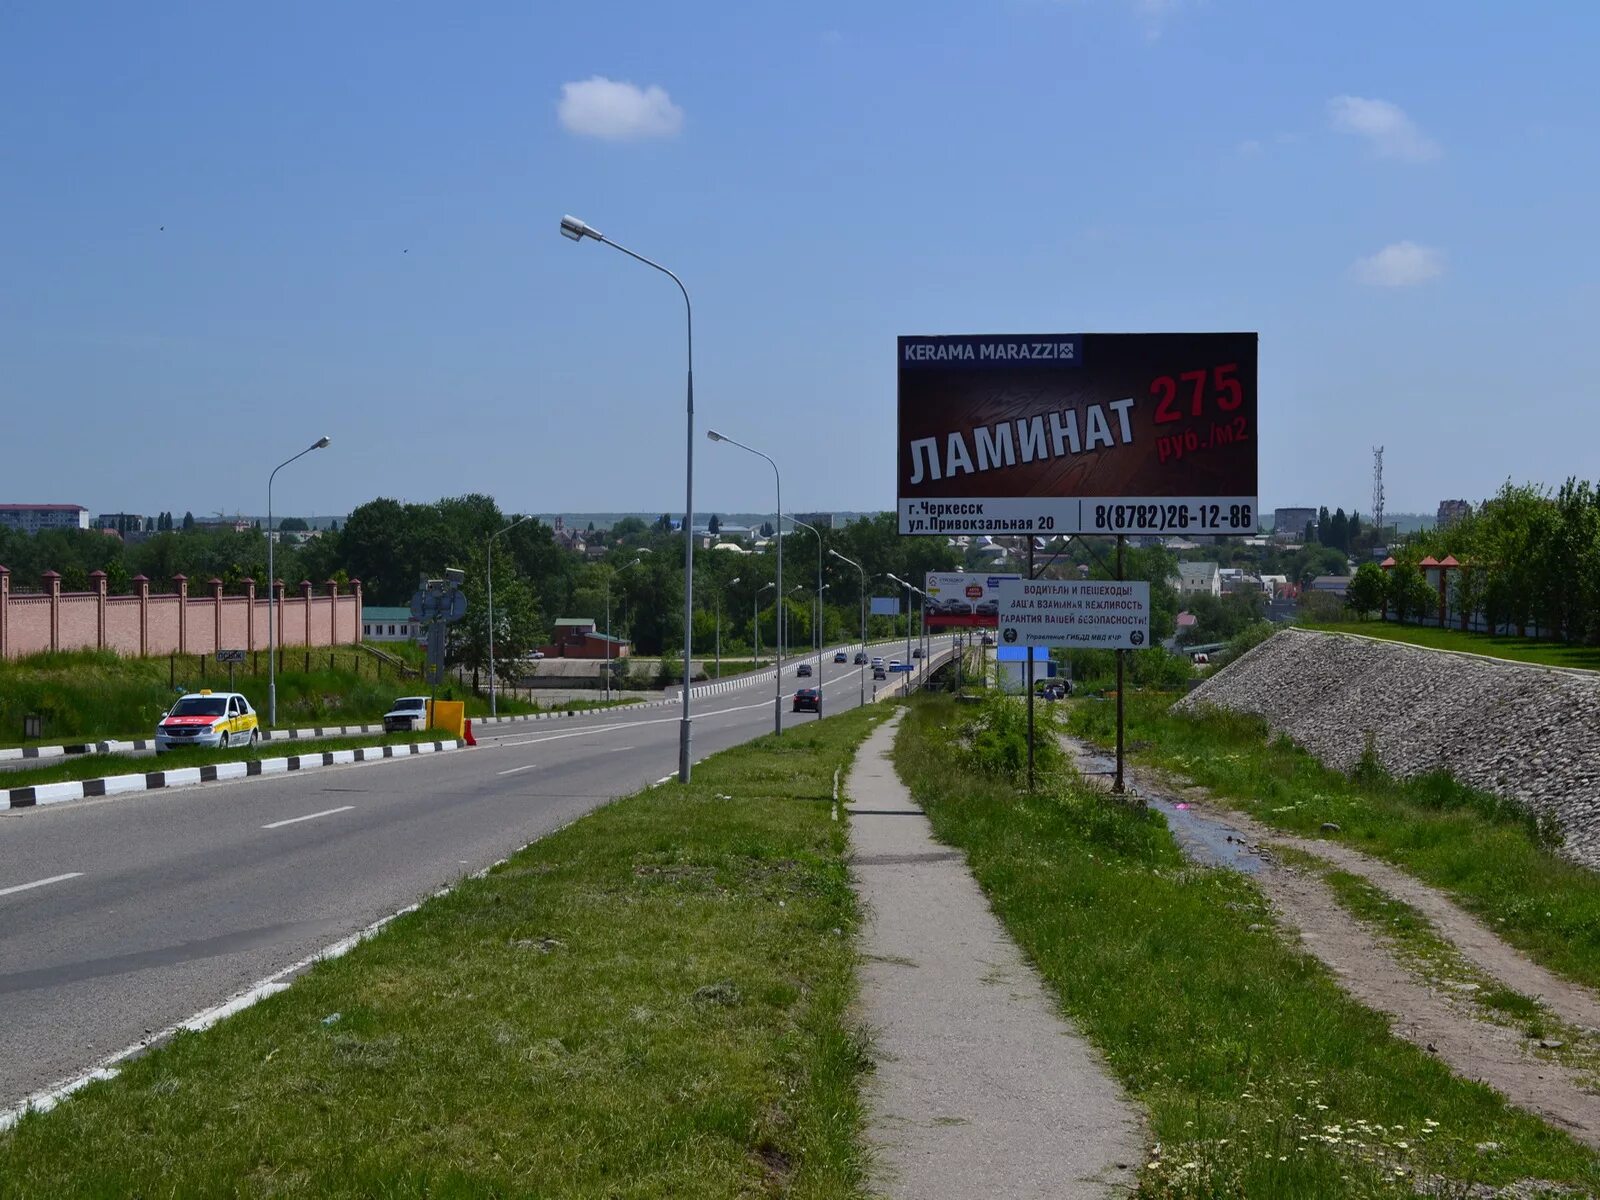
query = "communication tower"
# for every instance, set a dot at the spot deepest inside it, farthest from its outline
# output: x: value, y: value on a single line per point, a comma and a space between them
x: 1377, y: 491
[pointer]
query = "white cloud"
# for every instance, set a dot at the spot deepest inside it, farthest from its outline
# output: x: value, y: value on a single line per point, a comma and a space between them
x: 1153, y: 15
x: 1387, y: 128
x: 618, y: 112
x: 1402, y: 264
x: 1248, y: 148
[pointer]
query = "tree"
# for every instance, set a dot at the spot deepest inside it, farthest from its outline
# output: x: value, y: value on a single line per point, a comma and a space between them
x: 1310, y: 534
x: 1354, y: 531
x: 766, y: 529
x: 1367, y: 590
x: 149, y: 524
x: 1409, y: 593
x: 713, y: 526
x: 285, y: 524
x: 188, y: 522
x: 1338, y: 535
x: 1323, y: 522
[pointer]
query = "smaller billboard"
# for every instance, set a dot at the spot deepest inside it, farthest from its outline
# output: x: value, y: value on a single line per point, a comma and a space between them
x: 885, y: 606
x: 1091, y: 614
x: 959, y: 599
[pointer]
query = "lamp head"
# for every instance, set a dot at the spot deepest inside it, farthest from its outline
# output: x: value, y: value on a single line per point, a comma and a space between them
x: 321, y: 442
x: 713, y: 435
x: 576, y: 230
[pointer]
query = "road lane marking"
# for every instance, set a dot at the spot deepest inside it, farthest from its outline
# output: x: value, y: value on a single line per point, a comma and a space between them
x: 514, y: 770
x: 22, y: 887
x: 616, y: 750
x: 327, y: 812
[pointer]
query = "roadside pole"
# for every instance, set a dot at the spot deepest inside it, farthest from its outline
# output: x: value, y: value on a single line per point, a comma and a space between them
x: 1028, y: 650
x: 1121, y: 656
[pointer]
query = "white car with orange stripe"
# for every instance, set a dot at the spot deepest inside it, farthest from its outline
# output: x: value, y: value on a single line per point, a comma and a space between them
x: 215, y: 720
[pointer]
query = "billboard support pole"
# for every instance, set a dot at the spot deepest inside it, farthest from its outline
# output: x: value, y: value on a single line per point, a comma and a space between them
x: 1028, y: 650
x: 1122, y: 655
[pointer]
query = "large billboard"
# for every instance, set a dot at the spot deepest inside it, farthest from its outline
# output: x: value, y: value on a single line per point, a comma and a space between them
x: 1077, y: 433
x: 963, y: 599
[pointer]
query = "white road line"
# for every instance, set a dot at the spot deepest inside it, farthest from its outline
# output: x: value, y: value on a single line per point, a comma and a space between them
x: 327, y: 812
x: 22, y: 887
x: 514, y: 770
x: 616, y: 749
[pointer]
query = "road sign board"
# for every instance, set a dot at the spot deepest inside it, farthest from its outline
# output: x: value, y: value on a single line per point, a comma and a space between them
x: 901, y: 667
x: 230, y: 656
x: 1092, y: 433
x: 1099, y: 614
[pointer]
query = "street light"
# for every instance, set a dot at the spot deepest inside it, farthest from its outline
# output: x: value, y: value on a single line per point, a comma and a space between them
x: 863, y: 572
x: 577, y: 230
x: 494, y: 710
x: 777, y: 696
x: 609, y: 578
x: 821, y: 587
x: 755, y: 622
x: 730, y: 583
x: 272, y: 582
x: 909, y: 589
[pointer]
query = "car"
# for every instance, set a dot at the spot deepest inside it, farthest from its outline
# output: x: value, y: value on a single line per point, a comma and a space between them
x: 1202, y: 660
x: 840, y: 656
x: 861, y: 658
x: 537, y: 654
x: 803, y: 671
x: 406, y: 715
x: 987, y: 608
x: 894, y: 664
x: 808, y: 699
x: 215, y: 720
x: 1053, y: 689
x: 879, y: 673
x: 917, y: 652
x: 877, y: 661
x: 988, y: 639
x: 953, y: 606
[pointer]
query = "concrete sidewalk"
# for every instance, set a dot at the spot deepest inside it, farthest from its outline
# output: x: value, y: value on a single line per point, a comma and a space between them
x: 981, y: 1088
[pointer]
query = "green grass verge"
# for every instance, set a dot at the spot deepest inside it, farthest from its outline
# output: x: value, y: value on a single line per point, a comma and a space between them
x: 94, y: 766
x: 1520, y: 649
x: 1485, y: 852
x: 1261, y: 1077
x: 649, y: 1003
x: 87, y: 696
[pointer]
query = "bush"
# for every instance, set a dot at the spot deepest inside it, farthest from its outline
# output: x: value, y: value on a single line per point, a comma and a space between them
x: 996, y: 740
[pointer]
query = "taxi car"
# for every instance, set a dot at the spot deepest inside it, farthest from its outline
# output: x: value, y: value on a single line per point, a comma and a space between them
x: 215, y: 720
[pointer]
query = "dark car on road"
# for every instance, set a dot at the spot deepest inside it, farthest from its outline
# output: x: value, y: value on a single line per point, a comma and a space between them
x: 879, y: 673
x: 861, y: 658
x: 808, y: 700
x: 803, y: 670
x: 840, y: 656
x: 916, y: 652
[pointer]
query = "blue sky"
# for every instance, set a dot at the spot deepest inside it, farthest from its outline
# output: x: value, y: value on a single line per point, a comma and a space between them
x: 226, y: 229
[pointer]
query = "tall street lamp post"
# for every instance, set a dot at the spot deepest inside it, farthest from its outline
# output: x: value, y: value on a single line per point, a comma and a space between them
x: 577, y: 230
x: 730, y: 583
x: 755, y: 617
x: 909, y: 589
x: 863, y: 663
x: 494, y: 710
x: 272, y: 582
x: 821, y: 587
x: 777, y: 480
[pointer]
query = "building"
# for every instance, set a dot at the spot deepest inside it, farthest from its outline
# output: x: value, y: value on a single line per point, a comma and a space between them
x: 381, y: 624
x: 1290, y: 523
x: 1198, y: 577
x: 31, y: 518
x: 1334, y: 585
x: 818, y: 520
x: 578, y: 637
x: 1451, y: 511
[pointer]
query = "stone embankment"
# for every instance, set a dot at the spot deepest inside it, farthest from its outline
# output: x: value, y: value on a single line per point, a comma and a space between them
x: 1527, y: 733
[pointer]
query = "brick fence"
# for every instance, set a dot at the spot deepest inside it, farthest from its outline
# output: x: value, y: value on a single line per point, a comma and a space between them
x: 142, y: 624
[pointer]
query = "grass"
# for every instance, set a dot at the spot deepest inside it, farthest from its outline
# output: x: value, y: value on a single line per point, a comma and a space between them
x: 1520, y: 649
x: 649, y: 1003
x: 1487, y: 853
x: 94, y: 766
x: 1260, y: 1076
x: 95, y: 695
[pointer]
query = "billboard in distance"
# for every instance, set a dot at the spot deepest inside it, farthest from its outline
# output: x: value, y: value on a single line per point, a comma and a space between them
x: 1077, y: 433
x: 963, y: 599
x: 885, y: 606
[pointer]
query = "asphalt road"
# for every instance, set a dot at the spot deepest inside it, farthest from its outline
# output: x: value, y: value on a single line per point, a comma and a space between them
x: 124, y: 915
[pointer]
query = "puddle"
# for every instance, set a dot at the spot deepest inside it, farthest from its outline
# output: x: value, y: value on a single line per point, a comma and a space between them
x: 1205, y: 840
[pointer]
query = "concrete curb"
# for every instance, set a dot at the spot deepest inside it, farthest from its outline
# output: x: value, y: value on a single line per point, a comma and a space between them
x: 70, y: 750
x: 116, y: 785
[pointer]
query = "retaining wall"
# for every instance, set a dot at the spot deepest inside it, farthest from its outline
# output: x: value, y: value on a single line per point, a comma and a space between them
x: 1525, y: 732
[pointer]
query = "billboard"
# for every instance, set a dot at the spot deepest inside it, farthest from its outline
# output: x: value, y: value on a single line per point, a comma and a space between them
x: 885, y: 606
x: 1098, y: 614
x: 960, y: 598
x: 1089, y: 433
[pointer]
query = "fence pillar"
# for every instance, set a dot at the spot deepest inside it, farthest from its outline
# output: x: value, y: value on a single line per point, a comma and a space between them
x: 141, y: 588
x: 333, y: 612
x: 305, y: 611
x: 97, y: 580
x: 52, y: 587
x: 216, y: 612
x: 355, y: 588
x: 250, y: 610
x: 182, y: 581
x: 5, y: 609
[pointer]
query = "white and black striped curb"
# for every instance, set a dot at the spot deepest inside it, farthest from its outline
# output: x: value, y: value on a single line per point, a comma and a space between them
x: 66, y: 751
x: 116, y: 785
x: 570, y: 712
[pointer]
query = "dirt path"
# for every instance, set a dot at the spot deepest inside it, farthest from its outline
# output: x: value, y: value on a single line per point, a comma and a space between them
x: 1368, y: 970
